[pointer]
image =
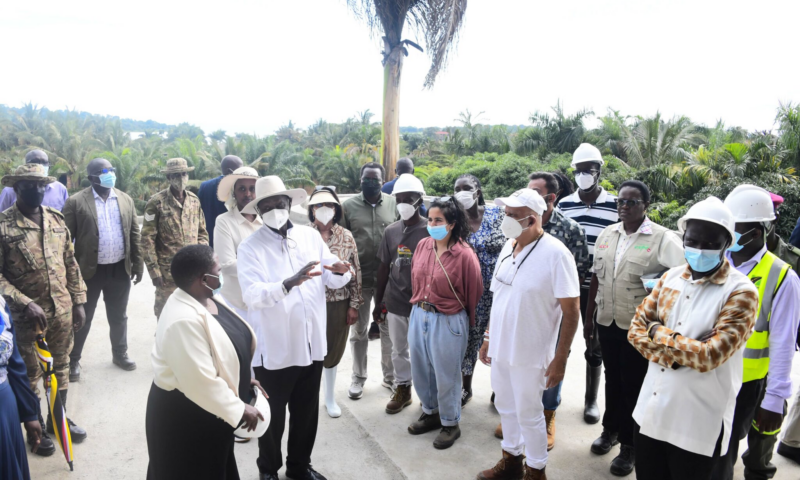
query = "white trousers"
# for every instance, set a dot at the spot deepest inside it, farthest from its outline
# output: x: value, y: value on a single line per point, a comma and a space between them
x: 401, y: 358
x: 518, y: 399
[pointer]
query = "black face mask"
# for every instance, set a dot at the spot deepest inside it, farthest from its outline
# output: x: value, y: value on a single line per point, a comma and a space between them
x: 371, y: 189
x: 32, y: 197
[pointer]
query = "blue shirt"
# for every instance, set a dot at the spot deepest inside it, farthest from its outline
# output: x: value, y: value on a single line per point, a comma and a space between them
x: 211, y: 206
x: 388, y: 188
x: 794, y: 239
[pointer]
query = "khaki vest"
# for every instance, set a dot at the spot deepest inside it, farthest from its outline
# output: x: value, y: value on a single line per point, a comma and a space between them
x: 618, y: 296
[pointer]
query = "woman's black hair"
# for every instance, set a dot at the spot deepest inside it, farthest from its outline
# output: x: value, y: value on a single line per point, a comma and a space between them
x: 639, y: 186
x: 565, y: 186
x: 477, y: 183
x: 455, y: 215
x: 190, y: 263
x: 337, y: 208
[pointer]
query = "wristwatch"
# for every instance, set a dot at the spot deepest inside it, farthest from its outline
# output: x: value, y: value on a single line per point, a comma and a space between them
x: 285, y: 291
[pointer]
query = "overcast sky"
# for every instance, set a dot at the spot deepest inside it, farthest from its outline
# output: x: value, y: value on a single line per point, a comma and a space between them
x: 253, y: 65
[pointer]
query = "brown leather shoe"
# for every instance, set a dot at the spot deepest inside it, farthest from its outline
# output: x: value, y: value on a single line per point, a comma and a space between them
x: 498, y: 432
x: 400, y: 399
x: 550, y: 422
x: 534, y: 474
x: 508, y: 468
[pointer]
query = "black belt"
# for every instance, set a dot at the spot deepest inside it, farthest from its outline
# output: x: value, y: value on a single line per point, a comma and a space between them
x: 428, y: 307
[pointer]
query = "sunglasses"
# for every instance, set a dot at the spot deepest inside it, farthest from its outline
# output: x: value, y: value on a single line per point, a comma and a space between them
x: 628, y: 203
x: 105, y: 170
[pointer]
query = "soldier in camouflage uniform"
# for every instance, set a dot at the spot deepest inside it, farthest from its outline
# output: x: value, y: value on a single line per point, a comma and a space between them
x: 40, y: 279
x: 172, y: 220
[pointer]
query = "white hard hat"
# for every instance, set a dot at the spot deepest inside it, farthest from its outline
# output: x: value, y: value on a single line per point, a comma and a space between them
x: 750, y: 203
x: 710, y: 210
x: 586, y: 152
x: 262, y: 405
x: 407, y: 182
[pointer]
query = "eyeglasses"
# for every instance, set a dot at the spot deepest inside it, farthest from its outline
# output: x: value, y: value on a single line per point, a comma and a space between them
x: 621, y: 202
x: 516, y: 267
x: 319, y: 188
x: 105, y: 170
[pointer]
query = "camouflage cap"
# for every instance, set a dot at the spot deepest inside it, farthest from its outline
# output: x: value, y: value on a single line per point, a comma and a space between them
x: 176, y: 165
x: 28, y: 171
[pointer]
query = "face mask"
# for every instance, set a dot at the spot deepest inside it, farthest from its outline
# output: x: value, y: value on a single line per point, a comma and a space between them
x: 438, y: 233
x: 214, y: 291
x: 585, y: 181
x: 32, y: 197
x: 650, y: 284
x: 702, y: 261
x: 276, y: 218
x: 406, y: 211
x: 738, y: 246
x: 107, y: 180
x: 324, y: 214
x: 511, y: 227
x: 466, y: 199
x: 46, y: 169
x: 371, y: 189
x: 179, y: 183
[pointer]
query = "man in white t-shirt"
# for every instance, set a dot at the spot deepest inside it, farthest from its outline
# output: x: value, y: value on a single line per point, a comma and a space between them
x: 536, y: 290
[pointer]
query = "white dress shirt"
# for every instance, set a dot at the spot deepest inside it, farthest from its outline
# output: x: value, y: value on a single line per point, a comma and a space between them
x: 111, y: 246
x: 291, y: 329
x: 230, y: 230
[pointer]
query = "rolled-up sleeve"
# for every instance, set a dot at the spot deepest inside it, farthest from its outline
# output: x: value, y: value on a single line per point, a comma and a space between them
x: 330, y: 279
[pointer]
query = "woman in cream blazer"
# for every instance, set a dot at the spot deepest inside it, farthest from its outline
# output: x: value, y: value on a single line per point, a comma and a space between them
x: 202, y: 386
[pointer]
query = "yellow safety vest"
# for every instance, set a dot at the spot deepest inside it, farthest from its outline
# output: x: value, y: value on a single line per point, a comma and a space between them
x: 767, y: 276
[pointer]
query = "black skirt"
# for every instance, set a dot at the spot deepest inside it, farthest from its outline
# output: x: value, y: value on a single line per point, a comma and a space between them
x: 185, y: 441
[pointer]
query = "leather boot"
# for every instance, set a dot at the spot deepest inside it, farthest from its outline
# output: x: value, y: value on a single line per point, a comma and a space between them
x: 74, y: 371
x: 508, y: 468
x: 534, y: 474
x: 76, y: 433
x: 447, y: 437
x: 425, y: 424
x: 550, y: 424
x: 123, y: 361
x: 604, y: 442
x: 46, y: 446
x: 498, y: 432
x: 400, y: 399
x: 591, y: 412
x: 625, y: 462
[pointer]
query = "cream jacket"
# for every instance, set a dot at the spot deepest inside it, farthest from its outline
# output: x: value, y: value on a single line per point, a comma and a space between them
x: 193, y: 354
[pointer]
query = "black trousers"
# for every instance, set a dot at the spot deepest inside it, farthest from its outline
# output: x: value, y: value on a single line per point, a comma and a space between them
x: 115, y: 284
x: 657, y: 460
x: 748, y: 400
x: 757, y: 459
x: 297, y: 387
x: 593, y: 355
x: 625, y: 369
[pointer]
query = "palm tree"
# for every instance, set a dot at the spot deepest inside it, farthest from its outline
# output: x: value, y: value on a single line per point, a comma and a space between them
x: 438, y: 21
x: 788, y: 120
x: 652, y: 141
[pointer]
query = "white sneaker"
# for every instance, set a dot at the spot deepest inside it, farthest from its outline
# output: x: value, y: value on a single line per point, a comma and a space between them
x: 388, y: 385
x: 356, y: 391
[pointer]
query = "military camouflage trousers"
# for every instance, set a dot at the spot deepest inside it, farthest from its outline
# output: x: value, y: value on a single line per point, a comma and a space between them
x: 162, y: 294
x: 59, y: 338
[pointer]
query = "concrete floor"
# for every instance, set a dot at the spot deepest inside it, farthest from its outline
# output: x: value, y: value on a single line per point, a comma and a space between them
x: 364, y: 443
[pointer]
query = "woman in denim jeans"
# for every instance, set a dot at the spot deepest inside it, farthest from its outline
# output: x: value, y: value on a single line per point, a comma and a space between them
x: 447, y: 285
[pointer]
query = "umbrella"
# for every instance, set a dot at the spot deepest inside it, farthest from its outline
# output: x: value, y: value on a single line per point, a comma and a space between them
x: 57, y: 412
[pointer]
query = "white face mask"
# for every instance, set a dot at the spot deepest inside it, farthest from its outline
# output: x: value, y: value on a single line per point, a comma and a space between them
x: 466, y: 199
x: 511, y: 227
x: 324, y: 214
x: 585, y: 181
x: 276, y: 218
x: 406, y: 211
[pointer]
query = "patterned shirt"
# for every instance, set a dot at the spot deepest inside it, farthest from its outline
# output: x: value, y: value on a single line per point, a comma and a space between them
x: 111, y: 246
x: 571, y: 234
x: 342, y: 244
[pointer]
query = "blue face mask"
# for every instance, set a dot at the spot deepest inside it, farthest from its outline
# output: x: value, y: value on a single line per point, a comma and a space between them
x: 438, y: 233
x: 215, y: 291
x: 46, y: 169
x: 738, y: 246
x: 107, y: 180
x: 702, y: 261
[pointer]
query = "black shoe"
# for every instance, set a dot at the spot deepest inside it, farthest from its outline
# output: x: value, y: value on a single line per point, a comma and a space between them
x: 374, y: 331
x: 466, y: 396
x: 46, y: 446
x: 591, y: 411
x: 447, y: 437
x: 238, y: 439
x: 792, y: 453
x: 492, y: 399
x: 603, y: 444
x: 123, y: 362
x: 623, y: 464
x: 74, y: 371
x: 307, y: 474
x: 426, y: 423
x: 268, y: 476
x: 75, y: 432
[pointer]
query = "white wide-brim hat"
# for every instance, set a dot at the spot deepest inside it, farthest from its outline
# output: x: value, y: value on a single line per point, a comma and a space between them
x: 272, y: 186
x: 225, y: 186
x: 262, y: 405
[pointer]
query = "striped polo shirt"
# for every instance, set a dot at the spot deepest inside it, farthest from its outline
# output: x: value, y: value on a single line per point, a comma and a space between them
x: 593, y: 218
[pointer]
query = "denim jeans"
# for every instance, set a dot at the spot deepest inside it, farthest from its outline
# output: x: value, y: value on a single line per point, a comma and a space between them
x: 551, y: 398
x: 438, y: 343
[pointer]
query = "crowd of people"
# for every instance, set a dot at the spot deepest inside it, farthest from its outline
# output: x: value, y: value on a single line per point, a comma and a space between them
x: 257, y: 297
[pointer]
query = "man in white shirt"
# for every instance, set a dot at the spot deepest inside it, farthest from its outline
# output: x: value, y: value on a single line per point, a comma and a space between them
x: 284, y: 290
x: 536, y: 289
x: 692, y: 328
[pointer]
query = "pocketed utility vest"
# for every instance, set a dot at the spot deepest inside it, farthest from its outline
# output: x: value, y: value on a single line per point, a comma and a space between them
x: 767, y: 276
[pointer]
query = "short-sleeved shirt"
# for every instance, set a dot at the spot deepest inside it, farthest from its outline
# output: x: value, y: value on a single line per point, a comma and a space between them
x: 397, y: 249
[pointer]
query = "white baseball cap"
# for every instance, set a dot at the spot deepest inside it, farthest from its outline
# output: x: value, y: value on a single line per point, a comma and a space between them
x: 524, y: 197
